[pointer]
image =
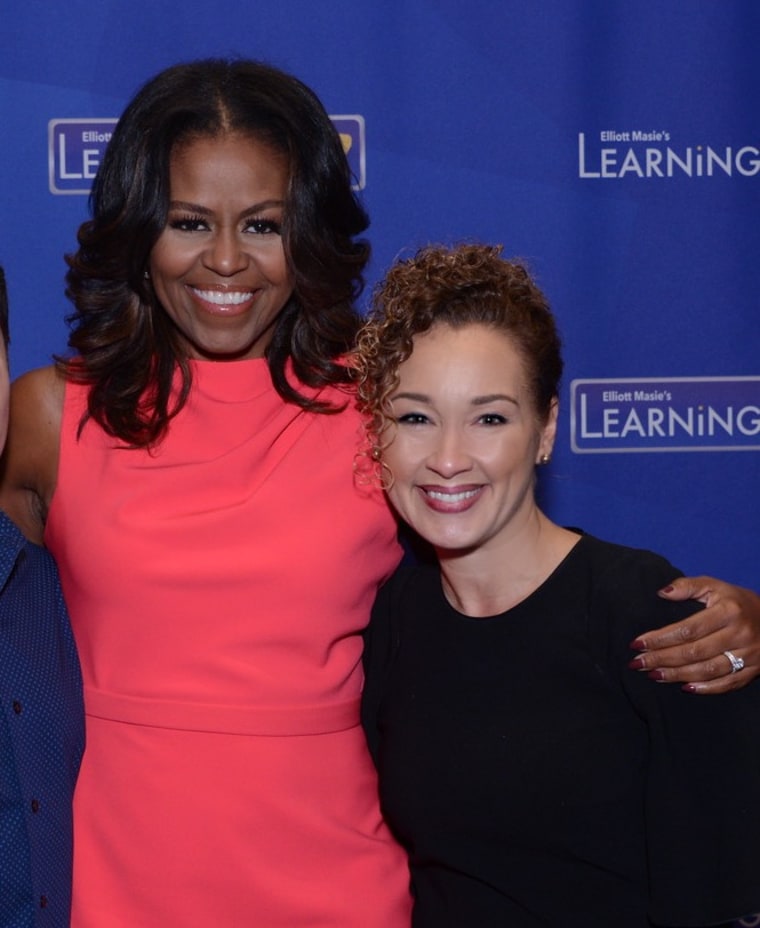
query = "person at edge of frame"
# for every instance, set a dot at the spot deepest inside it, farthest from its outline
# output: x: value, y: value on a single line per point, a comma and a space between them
x: 41, y: 719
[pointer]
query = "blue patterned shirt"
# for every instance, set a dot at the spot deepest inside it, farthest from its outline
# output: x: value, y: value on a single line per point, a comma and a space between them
x: 41, y: 736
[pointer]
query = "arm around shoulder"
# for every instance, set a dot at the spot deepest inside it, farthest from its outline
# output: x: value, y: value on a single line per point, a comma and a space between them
x: 30, y: 460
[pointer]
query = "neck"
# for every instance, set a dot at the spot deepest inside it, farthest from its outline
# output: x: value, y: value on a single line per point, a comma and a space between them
x: 492, y: 579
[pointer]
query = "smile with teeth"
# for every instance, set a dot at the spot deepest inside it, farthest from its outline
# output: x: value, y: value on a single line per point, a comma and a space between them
x: 451, y: 501
x: 223, y: 297
x: 455, y: 497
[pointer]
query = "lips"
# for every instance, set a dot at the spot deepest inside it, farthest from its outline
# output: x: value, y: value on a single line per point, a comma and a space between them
x: 224, y: 302
x: 451, y: 499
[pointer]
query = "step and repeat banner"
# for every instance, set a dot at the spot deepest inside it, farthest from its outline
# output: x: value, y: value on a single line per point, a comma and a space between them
x: 615, y: 146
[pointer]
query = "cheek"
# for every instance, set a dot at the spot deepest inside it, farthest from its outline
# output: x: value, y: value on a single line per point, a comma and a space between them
x: 512, y: 452
x: 402, y: 465
x: 166, y: 268
x: 276, y: 268
x: 168, y: 260
x: 394, y: 459
x: 398, y: 498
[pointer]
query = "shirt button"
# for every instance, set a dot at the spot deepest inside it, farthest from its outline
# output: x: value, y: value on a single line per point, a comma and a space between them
x: 17, y: 707
x: 35, y: 805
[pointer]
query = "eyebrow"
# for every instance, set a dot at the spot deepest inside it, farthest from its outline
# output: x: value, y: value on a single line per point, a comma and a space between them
x: 476, y: 400
x: 205, y: 211
x: 493, y: 398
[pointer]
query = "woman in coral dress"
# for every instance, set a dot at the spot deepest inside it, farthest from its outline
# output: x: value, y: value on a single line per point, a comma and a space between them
x: 192, y: 466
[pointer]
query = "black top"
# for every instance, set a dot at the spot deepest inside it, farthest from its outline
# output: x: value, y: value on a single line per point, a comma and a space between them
x: 535, y: 780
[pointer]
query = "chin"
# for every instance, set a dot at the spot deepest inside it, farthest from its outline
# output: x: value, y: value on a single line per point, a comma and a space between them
x: 449, y: 546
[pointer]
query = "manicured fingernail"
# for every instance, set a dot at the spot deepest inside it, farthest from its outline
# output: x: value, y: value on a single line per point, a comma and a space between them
x: 638, y: 644
x: 689, y: 688
x: 637, y: 664
x: 667, y: 589
x: 658, y: 675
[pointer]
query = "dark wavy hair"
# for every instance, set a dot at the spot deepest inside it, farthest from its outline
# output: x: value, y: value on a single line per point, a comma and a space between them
x: 459, y: 286
x: 125, y: 346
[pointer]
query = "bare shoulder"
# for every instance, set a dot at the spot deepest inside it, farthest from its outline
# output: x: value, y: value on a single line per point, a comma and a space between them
x: 30, y: 460
x: 38, y: 396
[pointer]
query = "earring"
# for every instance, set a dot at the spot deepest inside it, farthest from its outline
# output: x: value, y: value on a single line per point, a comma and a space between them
x: 146, y: 275
x: 544, y: 459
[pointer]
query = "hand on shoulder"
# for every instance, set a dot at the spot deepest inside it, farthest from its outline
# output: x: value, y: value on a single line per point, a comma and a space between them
x: 693, y: 652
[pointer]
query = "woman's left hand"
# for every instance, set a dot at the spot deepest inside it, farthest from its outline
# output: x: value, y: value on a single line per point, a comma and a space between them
x: 692, y: 651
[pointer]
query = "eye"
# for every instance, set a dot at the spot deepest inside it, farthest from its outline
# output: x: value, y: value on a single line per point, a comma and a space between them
x: 492, y: 418
x: 260, y: 226
x: 188, y: 223
x: 412, y: 418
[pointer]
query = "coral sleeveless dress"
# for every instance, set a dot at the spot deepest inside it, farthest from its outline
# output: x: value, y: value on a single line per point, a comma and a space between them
x: 218, y: 587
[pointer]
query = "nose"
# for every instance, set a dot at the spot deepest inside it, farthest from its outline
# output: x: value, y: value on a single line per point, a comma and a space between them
x: 225, y: 254
x: 449, y: 455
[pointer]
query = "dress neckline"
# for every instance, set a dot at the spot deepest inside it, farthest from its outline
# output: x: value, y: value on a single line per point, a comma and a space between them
x: 231, y: 381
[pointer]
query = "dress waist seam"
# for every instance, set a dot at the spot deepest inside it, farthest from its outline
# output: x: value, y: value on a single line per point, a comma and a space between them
x: 223, y: 719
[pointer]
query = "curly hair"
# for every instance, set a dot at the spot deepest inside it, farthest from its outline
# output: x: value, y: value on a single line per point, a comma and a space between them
x: 125, y: 347
x: 468, y: 284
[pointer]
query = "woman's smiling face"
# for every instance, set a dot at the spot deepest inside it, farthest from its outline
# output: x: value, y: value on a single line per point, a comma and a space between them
x: 465, y: 438
x: 219, y: 268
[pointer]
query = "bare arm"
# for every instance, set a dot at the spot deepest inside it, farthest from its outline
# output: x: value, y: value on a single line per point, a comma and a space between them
x: 30, y: 460
x: 692, y: 652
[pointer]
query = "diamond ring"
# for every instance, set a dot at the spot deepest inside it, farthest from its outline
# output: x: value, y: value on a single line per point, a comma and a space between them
x: 737, y: 663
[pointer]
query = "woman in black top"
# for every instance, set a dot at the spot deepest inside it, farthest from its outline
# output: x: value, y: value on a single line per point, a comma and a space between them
x: 532, y: 777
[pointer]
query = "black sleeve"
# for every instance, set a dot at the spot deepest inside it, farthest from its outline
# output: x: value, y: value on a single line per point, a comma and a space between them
x: 376, y: 658
x: 703, y: 775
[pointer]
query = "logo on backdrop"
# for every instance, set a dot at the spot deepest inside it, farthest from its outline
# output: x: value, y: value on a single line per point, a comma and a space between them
x: 76, y: 148
x: 647, y: 153
x: 351, y: 131
x: 668, y: 414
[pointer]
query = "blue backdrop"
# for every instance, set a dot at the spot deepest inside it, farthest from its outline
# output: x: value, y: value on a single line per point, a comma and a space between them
x: 614, y: 145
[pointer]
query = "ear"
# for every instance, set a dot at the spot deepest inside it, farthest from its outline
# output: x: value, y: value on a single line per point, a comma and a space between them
x: 548, y: 433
